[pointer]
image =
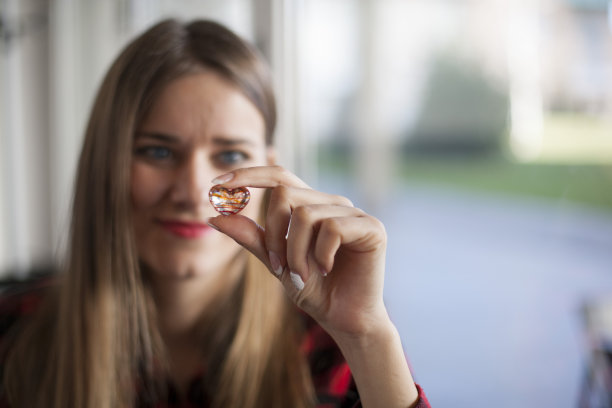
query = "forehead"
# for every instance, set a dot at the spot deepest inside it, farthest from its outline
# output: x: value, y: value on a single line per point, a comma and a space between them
x: 201, y: 104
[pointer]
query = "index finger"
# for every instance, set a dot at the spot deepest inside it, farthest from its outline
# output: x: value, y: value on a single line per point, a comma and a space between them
x: 260, y: 176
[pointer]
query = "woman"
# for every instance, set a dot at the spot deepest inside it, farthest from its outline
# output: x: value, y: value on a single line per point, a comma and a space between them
x: 164, y: 304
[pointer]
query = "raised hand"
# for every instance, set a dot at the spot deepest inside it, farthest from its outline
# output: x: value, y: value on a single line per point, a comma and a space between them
x: 330, y: 258
x: 329, y: 255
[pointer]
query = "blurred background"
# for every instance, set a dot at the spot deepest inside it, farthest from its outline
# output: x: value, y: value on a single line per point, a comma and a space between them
x: 479, y: 131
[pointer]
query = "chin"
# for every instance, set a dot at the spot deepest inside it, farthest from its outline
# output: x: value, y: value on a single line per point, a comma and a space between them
x: 188, y: 271
x: 187, y: 262
x: 177, y: 269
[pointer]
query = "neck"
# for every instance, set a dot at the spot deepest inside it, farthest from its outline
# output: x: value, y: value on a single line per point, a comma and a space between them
x: 182, y: 302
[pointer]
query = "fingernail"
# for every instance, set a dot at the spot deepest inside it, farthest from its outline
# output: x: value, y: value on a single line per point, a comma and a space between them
x: 223, y: 178
x: 323, y: 271
x: 212, y: 225
x: 277, y: 268
x: 297, y: 280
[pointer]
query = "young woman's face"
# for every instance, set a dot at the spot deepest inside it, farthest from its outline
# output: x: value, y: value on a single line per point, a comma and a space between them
x: 200, y: 127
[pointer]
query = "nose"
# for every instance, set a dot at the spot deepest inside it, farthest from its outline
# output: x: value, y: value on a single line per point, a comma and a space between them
x: 192, y: 182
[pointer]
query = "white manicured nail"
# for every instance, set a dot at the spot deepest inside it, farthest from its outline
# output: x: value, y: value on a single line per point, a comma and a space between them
x: 224, y: 178
x: 297, y: 280
x: 277, y: 268
x: 211, y: 225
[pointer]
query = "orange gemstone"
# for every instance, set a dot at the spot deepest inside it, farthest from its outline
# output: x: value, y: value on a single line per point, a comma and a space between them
x: 229, y: 201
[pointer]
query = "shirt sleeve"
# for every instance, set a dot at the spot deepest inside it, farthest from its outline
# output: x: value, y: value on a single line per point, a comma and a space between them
x: 18, y: 300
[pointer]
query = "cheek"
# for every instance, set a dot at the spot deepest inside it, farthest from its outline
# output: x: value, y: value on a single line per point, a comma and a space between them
x: 147, y: 187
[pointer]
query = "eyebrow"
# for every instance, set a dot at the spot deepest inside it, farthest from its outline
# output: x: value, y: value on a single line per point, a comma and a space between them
x: 224, y: 141
x: 158, y: 136
x: 231, y: 141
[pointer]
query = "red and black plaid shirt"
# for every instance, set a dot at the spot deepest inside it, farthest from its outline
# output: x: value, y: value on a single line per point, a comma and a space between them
x: 331, y: 376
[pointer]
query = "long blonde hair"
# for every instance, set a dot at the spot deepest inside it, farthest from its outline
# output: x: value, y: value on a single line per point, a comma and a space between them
x: 95, y: 342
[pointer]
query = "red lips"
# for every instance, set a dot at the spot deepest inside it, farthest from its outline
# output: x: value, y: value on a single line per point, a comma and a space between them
x: 190, y: 230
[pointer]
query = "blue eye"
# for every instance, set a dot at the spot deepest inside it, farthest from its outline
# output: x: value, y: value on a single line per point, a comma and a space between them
x: 154, y: 152
x: 231, y: 157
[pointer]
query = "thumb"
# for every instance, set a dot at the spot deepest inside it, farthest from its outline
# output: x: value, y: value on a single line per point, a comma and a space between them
x: 251, y: 236
x: 246, y: 232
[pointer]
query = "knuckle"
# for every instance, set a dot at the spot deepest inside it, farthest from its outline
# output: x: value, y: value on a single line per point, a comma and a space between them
x: 302, y: 214
x: 331, y: 226
x: 360, y: 212
x: 379, y: 224
x: 378, y: 227
x: 278, y: 195
x: 281, y: 192
x: 252, y: 242
x: 344, y: 201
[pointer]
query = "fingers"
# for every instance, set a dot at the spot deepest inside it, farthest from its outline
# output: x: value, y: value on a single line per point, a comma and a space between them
x: 304, y: 230
x: 260, y: 176
x: 316, y: 234
x: 250, y: 235
x: 306, y: 222
x: 283, y: 202
x: 363, y: 233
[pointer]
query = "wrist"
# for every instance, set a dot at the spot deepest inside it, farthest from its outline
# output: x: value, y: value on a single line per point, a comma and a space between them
x: 378, y: 333
x: 378, y: 365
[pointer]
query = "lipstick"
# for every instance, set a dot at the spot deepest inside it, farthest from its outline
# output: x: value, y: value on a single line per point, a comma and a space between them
x: 189, y: 230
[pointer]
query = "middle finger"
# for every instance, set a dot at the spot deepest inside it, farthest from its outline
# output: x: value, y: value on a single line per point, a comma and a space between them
x: 305, y: 222
x: 283, y: 201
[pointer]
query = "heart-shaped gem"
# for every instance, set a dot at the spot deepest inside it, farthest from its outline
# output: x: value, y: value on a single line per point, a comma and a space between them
x: 229, y: 201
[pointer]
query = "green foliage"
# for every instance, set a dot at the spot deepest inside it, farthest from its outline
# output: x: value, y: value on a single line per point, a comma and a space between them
x: 584, y: 184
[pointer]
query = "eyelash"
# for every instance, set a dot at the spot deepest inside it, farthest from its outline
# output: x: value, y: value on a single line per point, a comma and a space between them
x: 220, y: 157
x: 226, y: 158
x: 150, y: 152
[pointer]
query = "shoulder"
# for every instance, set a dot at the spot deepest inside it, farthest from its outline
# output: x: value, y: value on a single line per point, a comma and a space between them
x: 19, y: 299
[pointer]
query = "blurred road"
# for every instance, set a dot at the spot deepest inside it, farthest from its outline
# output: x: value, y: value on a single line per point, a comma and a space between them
x: 486, y: 293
